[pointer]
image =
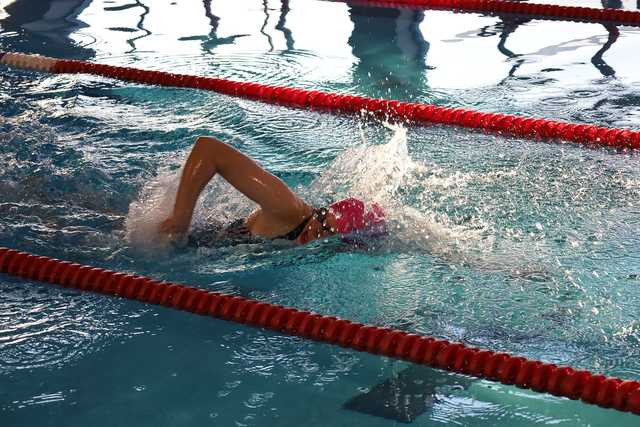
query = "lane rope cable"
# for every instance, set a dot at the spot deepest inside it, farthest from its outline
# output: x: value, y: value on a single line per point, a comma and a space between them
x: 564, y: 381
x: 503, y: 124
x: 534, y: 10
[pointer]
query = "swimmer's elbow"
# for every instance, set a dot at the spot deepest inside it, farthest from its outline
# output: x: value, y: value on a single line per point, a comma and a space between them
x: 207, y: 143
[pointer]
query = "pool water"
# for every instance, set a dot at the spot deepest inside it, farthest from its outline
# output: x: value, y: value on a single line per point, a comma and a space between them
x: 502, y: 243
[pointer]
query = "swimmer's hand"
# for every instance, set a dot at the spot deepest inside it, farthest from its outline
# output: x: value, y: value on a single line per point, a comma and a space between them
x: 173, y: 228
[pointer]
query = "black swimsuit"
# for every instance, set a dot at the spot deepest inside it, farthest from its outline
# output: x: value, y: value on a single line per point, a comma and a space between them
x: 237, y: 233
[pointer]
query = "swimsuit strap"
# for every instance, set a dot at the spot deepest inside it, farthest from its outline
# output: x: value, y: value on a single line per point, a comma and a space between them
x: 238, y: 229
x: 320, y: 214
x: 296, y: 232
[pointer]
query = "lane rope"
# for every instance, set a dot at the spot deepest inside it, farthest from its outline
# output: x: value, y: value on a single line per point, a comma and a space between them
x: 564, y: 381
x: 502, y: 124
x: 534, y: 10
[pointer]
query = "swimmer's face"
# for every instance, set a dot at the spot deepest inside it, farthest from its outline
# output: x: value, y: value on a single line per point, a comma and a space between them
x: 317, y: 229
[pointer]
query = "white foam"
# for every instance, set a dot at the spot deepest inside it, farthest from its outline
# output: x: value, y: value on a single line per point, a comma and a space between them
x: 413, y: 194
x: 416, y: 196
x: 386, y: 174
x: 219, y: 202
x: 153, y: 205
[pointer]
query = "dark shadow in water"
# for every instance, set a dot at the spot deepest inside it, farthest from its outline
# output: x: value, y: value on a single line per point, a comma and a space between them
x: 214, y: 20
x: 405, y: 396
x: 511, y: 23
x: 391, y: 51
x: 597, y: 60
x: 140, y: 25
x: 288, y: 36
x: 210, y: 41
x: 264, y: 25
x: 44, y: 27
x: 615, y: 107
x: 508, y: 25
x: 280, y: 26
x: 612, y: 4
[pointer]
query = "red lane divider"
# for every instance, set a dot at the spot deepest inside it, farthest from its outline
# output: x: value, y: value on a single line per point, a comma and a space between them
x: 504, y: 124
x: 608, y: 392
x: 535, y: 10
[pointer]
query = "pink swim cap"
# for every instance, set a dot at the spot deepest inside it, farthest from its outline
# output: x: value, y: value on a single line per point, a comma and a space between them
x: 351, y: 216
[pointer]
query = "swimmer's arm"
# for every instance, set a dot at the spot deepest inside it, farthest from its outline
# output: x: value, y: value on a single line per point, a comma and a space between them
x: 210, y: 156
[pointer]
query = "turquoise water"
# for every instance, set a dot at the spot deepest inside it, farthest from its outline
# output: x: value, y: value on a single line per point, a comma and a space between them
x: 513, y: 245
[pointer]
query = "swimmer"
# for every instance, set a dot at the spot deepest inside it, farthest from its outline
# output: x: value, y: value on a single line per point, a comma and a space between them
x: 281, y: 215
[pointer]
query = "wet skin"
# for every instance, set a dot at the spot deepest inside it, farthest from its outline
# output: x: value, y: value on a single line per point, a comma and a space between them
x: 281, y: 210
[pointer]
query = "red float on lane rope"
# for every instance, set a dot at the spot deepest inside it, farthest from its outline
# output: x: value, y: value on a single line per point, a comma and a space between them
x: 623, y: 395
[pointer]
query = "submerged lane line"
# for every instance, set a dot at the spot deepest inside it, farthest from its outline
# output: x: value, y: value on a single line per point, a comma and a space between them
x: 503, y: 124
x: 564, y: 381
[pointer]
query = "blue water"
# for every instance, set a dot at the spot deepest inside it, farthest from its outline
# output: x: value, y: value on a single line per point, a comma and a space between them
x: 508, y: 244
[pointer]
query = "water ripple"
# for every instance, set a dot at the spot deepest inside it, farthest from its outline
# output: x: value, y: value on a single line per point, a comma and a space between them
x: 43, y: 327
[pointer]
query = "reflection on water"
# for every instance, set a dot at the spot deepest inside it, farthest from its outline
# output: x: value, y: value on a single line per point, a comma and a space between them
x: 264, y: 25
x: 53, y: 18
x: 597, y: 59
x: 281, y: 25
x: 391, y: 50
x: 140, y: 25
x: 211, y: 40
x: 508, y: 25
x: 389, y: 46
x: 614, y: 33
x: 46, y: 25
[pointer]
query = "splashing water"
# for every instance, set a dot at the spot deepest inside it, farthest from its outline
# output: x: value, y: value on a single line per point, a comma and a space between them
x: 147, y: 212
x: 369, y: 172
x: 409, y: 191
x: 220, y: 203
x: 387, y: 175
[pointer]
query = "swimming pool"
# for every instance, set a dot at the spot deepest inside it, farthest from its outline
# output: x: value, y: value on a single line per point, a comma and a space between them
x: 531, y: 247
